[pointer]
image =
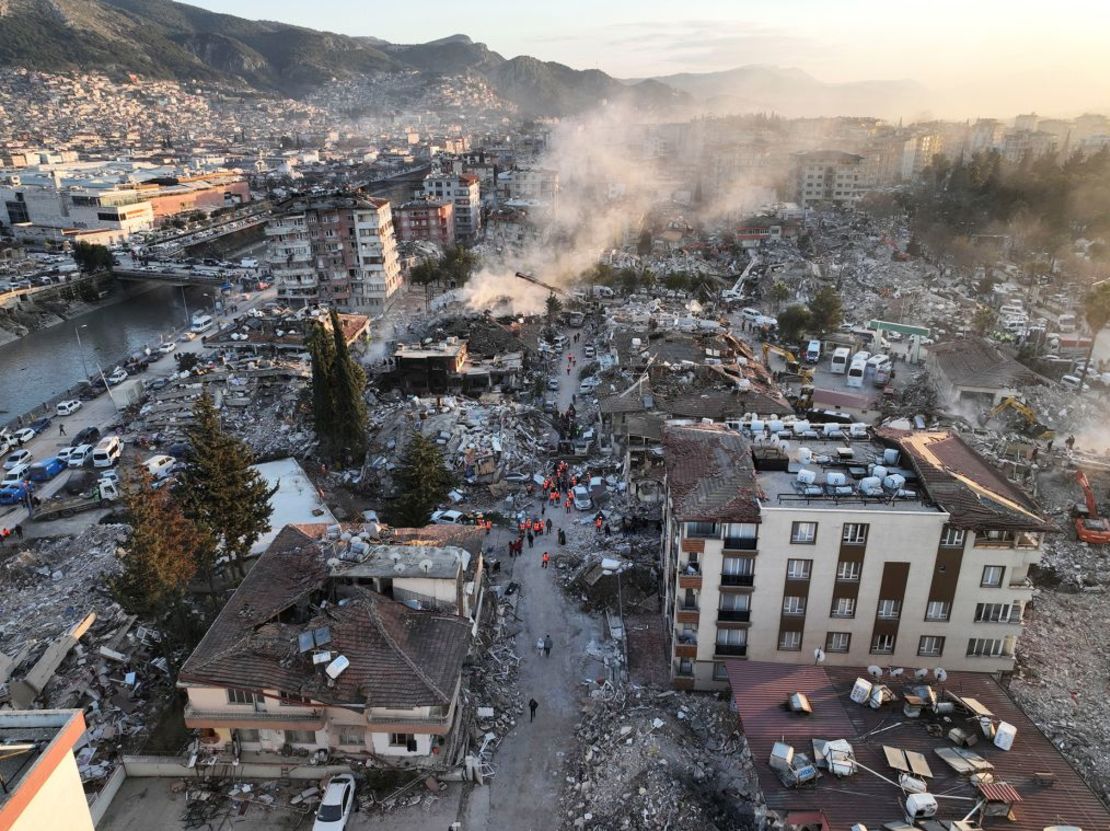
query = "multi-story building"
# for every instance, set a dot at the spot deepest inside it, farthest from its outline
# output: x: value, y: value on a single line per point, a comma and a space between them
x: 431, y: 220
x: 829, y: 177
x: 48, y: 205
x: 464, y: 191
x: 339, y: 250
x: 901, y: 548
x: 918, y: 153
x: 536, y: 187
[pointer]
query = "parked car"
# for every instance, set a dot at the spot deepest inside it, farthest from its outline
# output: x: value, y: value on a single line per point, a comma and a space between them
x: 159, y: 466
x: 63, y: 454
x: 582, y: 500
x: 40, y: 424
x: 109, y: 476
x: 449, y: 517
x: 81, y: 454
x: 337, y: 804
x: 158, y: 383
x: 14, y: 493
x: 16, y: 475
x: 118, y: 376
x: 167, y: 347
x: 589, y: 351
x: 553, y: 384
x: 46, y: 470
x: 185, y: 337
x: 23, y: 435
x: 107, y: 451
x: 17, y: 458
x: 86, y: 436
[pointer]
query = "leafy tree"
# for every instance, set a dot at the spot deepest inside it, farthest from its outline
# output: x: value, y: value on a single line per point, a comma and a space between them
x: 186, y: 361
x: 160, y: 560
x: 779, y: 293
x: 643, y: 246
x: 91, y: 258
x: 826, y: 310
x: 677, y: 281
x: 983, y: 320
x: 1096, y: 311
x: 424, y: 482
x: 458, y: 264
x: 424, y: 273
x: 553, y: 307
x: 794, y: 321
x: 226, y: 498
x: 629, y: 280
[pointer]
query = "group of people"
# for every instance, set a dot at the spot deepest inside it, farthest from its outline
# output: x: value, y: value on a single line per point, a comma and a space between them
x: 5, y: 533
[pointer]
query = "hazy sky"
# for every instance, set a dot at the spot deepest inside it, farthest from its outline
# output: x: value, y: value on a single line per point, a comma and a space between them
x: 979, y: 56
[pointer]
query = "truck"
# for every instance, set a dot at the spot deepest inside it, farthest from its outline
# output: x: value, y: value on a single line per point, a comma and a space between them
x: 102, y: 495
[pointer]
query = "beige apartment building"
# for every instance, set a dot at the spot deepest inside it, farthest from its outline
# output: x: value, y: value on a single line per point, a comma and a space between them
x: 898, y: 549
x: 830, y: 177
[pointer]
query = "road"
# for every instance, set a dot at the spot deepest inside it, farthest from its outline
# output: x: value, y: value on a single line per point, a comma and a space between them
x: 524, y: 792
x: 101, y: 413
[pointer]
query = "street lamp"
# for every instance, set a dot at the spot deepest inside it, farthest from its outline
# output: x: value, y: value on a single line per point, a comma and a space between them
x: 80, y: 349
x: 184, y: 303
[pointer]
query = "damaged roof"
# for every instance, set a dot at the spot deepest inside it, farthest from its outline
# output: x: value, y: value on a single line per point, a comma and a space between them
x: 964, y: 484
x: 399, y: 657
x: 760, y: 690
x: 710, y: 474
x: 975, y: 362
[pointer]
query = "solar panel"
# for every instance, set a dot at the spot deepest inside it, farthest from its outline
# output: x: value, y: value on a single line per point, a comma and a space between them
x: 322, y: 635
x: 304, y: 642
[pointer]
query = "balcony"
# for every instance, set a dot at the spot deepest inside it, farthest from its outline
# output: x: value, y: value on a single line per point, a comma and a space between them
x: 741, y: 615
x: 741, y: 543
x: 689, y: 581
x: 686, y: 650
x: 686, y: 614
x: 1020, y: 583
x: 731, y: 649
x: 746, y: 580
x: 248, y: 719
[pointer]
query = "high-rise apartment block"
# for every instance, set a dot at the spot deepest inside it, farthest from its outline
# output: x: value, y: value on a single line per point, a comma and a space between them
x: 830, y: 177
x: 337, y: 250
x: 464, y: 191
x: 895, y: 548
x: 431, y: 220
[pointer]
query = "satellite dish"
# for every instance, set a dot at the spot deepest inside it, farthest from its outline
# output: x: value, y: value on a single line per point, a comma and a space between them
x: 875, y: 671
x: 941, y: 674
x: 819, y: 655
x: 921, y: 674
x: 897, y: 672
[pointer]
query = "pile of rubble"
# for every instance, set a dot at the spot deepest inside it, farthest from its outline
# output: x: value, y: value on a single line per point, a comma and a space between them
x: 648, y: 759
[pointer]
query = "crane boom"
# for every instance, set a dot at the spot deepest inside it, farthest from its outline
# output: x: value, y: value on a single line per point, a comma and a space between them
x: 542, y: 284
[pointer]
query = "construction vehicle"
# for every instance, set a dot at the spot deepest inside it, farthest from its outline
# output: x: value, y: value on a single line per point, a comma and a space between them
x: 793, y: 367
x: 1090, y: 528
x: 102, y: 495
x: 542, y: 284
x: 1033, y: 425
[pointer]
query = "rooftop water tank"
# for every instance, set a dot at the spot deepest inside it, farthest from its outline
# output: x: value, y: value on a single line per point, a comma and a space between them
x: 890, y: 456
x: 807, y: 477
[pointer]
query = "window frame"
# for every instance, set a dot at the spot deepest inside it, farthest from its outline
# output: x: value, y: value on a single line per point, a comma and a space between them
x: 878, y: 650
x: 947, y: 607
x: 794, y: 605
x: 720, y: 671
x: 921, y: 653
x: 807, y: 568
x: 856, y: 567
x: 782, y: 638
x: 746, y: 571
x: 743, y: 599
x: 252, y: 696
x: 406, y: 738
x: 957, y: 533
x: 343, y: 735
x: 855, y: 526
x: 893, y: 606
x: 851, y: 601
x: 285, y: 736
x: 829, y: 647
x: 795, y: 527
x: 983, y: 584
x: 690, y: 531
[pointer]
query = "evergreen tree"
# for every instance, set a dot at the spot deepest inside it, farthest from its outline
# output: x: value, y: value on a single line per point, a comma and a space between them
x: 221, y: 492
x: 424, y: 483
x: 348, y: 381
x: 159, y: 561
x: 793, y: 322
x: 321, y: 348
x: 424, y: 273
x: 553, y: 308
x: 826, y: 310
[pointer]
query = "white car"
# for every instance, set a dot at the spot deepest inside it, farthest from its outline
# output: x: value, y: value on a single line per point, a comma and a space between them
x: 65, y: 408
x: 23, y: 435
x: 19, y: 457
x: 118, y: 376
x: 110, y: 476
x: 553, y: 384
x: 167, y: 347
x: 64, y: 453
x: 337, y: 804
x: 79, y: 454
x: 582, y: 500
x: 16, y: 475
x: 447, y: 518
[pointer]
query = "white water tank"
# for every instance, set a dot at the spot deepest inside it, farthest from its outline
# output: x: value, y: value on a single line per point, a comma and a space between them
x: 921, y: 806
x: 776, y: 426
x: 805, y: 455
x: 800, y: 427
x: 757, y: 426
x: 1004, y: 736
x: 807, y: 477
x: 871, y: 486
x: 861, y: 691
x: 878, y: 471
x: 890, y: 457
x: 836, y: 479
x: 894, y: 482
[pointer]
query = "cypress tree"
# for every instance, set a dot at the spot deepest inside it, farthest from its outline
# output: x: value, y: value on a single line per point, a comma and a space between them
x: 222, y: 493
x: 322, y: 349
x: 348, y: 381
x: 424, y: 482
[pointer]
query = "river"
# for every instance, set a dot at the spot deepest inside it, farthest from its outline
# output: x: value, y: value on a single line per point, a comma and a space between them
x: 45, y: 363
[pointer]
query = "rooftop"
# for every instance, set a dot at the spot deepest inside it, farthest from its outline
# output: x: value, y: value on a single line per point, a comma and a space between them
x: 710, y: 474
x: 32, y: 744
x: 975, y: 362
x: 760, y: 691
x: 295, y: 500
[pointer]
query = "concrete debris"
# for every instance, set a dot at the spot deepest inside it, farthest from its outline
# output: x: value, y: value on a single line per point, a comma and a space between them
x: 648, y: 759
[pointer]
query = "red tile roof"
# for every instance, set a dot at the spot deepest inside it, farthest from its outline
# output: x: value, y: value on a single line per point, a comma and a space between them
x: 710, y: 474
x: 760, y: 689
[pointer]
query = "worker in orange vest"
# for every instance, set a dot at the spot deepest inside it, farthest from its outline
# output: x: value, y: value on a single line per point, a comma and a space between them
x: 568, y: 503
x: 597, y: 524
x: 546, y: 559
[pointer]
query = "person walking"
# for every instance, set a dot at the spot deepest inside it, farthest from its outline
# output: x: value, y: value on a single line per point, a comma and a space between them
x: 546, y: 560
x: 608, y: 530
x: 61, y: 429
x: 549, y: 525
x: 543, y: 509
x: 19, y: 532
x: 567, y: 503
x: 531, y: 539
x: 539, y: 645
x: 547, y: 646
x: 532, y: 705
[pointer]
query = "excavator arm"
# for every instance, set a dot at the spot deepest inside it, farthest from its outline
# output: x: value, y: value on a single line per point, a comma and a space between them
x: 1088, y: 494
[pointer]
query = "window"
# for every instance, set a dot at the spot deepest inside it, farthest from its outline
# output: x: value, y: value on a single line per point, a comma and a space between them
x: 844, y: 607
x: 685, y: 666
x: 854, y: 533
x: 690, y: 600
x: 997, y: 612
x: 992, y: 577
x: 938, y: 610
x: 890, y: 609
x: 237, y: 696
x: 882, y: 644
x: 741, y: 535
x: 803, y: 533
x: 793, y: 605
x: 798, y: 569
x: 401, y: 739
x: 987, y: 648
x: 720, y: 673
x: 248, y: 735
x: 847, y: 570
x: 994, y: 539
x: 930, y: 646
x: 289, y: 699
x: 735, y: 601
x: 790, y: 641
x: 732, y: 637
x: 701, y: 530
x: 300, y: 736
x: 838, y: 641
x: 738, y: 566
x: 351, y: 737
x: 952, y: 537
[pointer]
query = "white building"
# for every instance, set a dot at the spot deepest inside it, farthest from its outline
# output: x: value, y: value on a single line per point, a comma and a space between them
x: 464, y: 190
x: 829, y: 177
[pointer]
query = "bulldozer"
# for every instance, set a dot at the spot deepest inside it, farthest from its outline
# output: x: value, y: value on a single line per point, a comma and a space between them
x: 793, y: 366
x: 1090, y: 527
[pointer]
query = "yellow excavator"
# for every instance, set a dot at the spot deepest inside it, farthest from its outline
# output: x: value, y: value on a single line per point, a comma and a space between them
x: 1034, y: 427
x: 793, y: 367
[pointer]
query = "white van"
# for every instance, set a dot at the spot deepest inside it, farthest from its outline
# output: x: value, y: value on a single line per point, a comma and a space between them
x: 78, y: 455
x: 813, y: 351
x: 107, y: 453
x: 159, y: 466
x: 751, y: 315
x: 839, y: 363
x: 201, y: 323
x: 862, y: 356
x: 874, y: 362
x: 856, y: 372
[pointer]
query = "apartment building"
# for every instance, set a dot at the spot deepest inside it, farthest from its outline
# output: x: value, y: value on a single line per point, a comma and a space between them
x: 337, y: 250
x: 464, y: 191
x: 897, y: 548
x: 829, y: 177
x: 536, y: 187
x: 334, y: 642
x: 48, y: 206
x: 431, y: 220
